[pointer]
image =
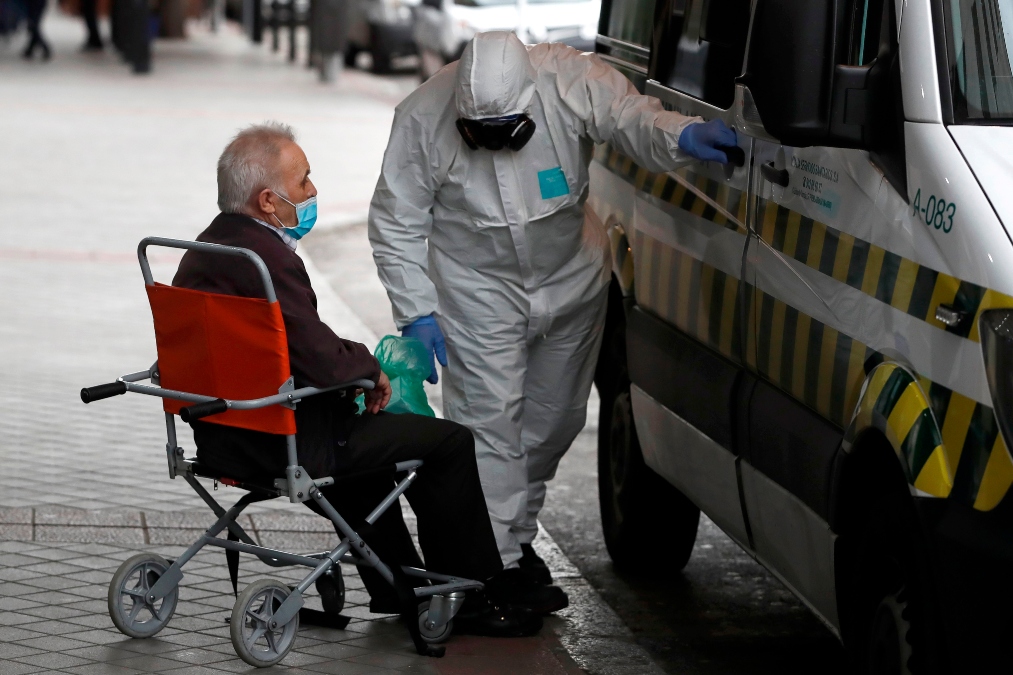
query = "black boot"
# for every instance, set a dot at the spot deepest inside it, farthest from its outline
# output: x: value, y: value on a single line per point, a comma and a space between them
x: 480, y: 616
x: 513, y: 587
x: 534, y: 566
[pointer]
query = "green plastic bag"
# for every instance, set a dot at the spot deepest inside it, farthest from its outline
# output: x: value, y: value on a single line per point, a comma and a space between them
x: 406, y: 363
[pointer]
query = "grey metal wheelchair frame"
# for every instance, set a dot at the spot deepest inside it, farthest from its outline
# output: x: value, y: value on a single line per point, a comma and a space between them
x: 297, y: 485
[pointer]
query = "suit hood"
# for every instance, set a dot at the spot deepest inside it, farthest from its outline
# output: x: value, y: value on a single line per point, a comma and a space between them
x: 495, y: 77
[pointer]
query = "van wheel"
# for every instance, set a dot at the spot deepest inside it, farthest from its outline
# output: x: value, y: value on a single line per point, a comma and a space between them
x: 889, y: 639
x: 649, y: 525
x: 380, y: 49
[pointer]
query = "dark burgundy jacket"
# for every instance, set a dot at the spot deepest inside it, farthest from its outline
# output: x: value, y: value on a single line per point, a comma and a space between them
x: 317, y: 357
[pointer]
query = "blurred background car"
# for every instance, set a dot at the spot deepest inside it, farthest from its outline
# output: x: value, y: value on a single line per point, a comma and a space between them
x: 383, y: 29
x: 443, y: 27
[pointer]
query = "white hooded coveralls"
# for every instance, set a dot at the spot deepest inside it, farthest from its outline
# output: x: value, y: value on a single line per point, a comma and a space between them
x: 497, y: 246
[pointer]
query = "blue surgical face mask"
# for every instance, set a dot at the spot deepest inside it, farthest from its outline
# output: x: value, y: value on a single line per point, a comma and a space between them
x: 306, y: 212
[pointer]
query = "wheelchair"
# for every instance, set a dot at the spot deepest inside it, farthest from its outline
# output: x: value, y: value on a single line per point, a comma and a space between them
x: 224, y: 359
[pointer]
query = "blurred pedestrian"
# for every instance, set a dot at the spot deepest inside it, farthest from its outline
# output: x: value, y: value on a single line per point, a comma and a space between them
x: 34, y: 9
x: 89, y: 12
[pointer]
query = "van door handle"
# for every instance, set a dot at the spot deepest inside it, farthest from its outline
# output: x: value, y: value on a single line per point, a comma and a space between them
x: 736, y: 155
x: 775, y: 176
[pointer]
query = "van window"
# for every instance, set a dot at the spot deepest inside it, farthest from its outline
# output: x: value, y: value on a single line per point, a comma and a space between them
x: 628, y: 20
x: 866, y: 21
x: 981, y: 35
x: 702, y: 48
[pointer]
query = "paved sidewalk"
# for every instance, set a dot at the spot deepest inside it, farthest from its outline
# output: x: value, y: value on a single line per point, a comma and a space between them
x: 93, y: 159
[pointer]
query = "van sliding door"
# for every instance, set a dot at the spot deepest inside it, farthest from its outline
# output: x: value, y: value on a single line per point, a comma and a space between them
x: 688, y: 235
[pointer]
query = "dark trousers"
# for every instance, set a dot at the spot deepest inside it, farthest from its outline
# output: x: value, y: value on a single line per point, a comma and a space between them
x: 90, y: 15
x: 34, y: 9
x: 453, y: 523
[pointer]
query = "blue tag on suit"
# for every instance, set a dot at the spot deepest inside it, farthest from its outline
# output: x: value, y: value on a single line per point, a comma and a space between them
x: 552, y: 183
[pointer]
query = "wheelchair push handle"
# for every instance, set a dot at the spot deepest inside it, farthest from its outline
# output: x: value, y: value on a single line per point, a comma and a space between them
x: 195, y: 412
x: 101, y: 391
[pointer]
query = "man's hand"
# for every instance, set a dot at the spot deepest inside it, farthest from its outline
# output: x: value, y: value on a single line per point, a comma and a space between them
x: 704, y: 140
x: 378, y: 397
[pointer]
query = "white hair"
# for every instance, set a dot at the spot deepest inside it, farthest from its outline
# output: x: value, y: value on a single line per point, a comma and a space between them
x: 249, y: 164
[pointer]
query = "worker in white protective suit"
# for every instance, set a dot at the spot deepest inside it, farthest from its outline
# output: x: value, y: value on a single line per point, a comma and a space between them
x: 481, y: 238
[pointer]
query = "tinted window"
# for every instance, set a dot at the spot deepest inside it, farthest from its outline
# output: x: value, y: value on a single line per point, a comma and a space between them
x: 628, y: 20
x: 981, y: 32
x: 701, y: 49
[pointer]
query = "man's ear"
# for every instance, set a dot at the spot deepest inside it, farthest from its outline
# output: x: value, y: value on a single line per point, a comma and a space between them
x: 265, y: 201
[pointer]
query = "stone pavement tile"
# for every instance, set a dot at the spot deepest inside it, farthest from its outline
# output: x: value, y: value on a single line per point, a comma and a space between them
x: 52, y: 597
x: 99, y: 576
x: 7, y: 604
x: 288, y: 522
x: 48, y: 612
x: 305, y: 542
x: 13, y: 588
x: 98, y: 636
x: 165, y: 535
x: 155, y: 645
x: 203, y: 640
x: 52, y: 567
x: 107, y: 653
x: 53, y: 643
x: 17, y: 574
x: 54, y: 583
x: 335, y: 650
x: 10, y: 650
x: 208, y: 670
x: 16, y: 532
x: 15, y: 559
x: 148, y: 663
x: 54, y: 553
x: 16, y: 633
x: 108, y: 535
x: 99, y: 669
x: 90, y: 618
x: 16, y: 668
x: 16, y: 516
x: 189, y: 520
x: 91, y: 548
x: 53, y: 660
x: 49, y: 515
x: 22, y: 618
x: 195, y: 655
x: 347, y: 668
x: 53, y: 627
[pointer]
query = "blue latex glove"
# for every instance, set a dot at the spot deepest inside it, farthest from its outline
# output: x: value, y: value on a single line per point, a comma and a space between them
x: 428, y: 332
x: 700, y: 140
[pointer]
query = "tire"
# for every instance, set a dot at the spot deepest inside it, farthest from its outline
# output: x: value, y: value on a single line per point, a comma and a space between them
x: 331, y: 587
x: 649, y: 525
x: 131, y: 612
x: 887, y: 618
x: 252, y: 637
x: 351, y: 53
x: 433, y: 636
x: 889, y: 649
x: 380, y: 50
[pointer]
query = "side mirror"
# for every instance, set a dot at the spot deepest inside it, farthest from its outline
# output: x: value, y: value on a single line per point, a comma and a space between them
x: 802, y: 93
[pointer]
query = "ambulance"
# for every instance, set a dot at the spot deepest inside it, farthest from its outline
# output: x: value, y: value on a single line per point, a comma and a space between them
x: 814, y: 344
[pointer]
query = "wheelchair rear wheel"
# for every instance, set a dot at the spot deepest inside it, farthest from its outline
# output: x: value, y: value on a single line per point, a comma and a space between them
x: 252, y: 636
x: 436, y: 635
x: 129, y: 607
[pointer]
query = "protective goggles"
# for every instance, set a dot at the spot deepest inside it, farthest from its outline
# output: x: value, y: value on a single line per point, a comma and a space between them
x: 497, y: 133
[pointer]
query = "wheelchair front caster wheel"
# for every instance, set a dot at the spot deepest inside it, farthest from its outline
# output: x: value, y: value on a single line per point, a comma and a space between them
x: 252, y: 636
x: 132, y: 612
x: 437, y: 634
x: 331, y: 587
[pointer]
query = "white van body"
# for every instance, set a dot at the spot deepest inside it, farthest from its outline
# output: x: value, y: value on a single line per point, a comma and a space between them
x: 805, y: 332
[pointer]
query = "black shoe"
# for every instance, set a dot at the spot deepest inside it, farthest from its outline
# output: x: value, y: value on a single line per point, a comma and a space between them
x: 534, y: 566
x: 479, y: 616
x: 91, y: 46
x: 514, y: 588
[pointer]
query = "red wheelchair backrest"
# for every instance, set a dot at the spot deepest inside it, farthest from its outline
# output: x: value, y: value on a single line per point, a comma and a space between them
x: 224, y: 346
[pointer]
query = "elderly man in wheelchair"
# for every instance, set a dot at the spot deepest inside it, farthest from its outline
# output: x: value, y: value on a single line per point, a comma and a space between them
x: 269, y: 391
